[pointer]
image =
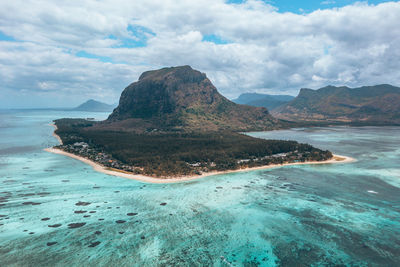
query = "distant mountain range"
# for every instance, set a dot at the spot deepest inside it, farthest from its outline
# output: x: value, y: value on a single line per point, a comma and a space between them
x: 263, y: 100
x: 376, y: 105
x: 183, y: 99
x: 95, y: 106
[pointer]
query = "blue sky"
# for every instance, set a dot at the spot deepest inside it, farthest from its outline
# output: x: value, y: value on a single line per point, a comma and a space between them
x: 4, y: 37
x: 61, y: 53
x: 309, y: 5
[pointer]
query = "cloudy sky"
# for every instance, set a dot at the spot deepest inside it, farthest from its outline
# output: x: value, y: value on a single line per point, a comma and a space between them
x: 61, y: 53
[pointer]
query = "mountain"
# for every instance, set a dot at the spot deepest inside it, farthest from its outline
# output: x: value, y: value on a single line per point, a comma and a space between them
x: 263, y: 100
x: 93, y: 105
x: 173, y: 122
x: 378, y: 104
x: 183, y: 99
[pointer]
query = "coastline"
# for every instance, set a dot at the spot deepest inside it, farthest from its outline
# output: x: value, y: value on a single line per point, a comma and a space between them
x: 149, y: 179
x: 54, y: 133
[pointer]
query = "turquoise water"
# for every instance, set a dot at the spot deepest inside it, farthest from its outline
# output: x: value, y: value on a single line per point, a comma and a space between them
x: 336, y: 214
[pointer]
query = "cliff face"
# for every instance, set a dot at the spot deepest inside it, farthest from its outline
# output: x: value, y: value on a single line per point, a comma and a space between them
x: 165, y: 91
x: 378, y: 104
x: 180, y: 98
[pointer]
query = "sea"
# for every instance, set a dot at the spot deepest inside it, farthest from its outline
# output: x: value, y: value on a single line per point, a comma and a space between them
x: 58, y: 211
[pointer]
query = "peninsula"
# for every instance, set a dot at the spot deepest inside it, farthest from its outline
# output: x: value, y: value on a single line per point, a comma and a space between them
x: 173, y: 124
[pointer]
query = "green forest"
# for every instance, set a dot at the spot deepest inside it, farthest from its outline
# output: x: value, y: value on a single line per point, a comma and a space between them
x: 173, y: 154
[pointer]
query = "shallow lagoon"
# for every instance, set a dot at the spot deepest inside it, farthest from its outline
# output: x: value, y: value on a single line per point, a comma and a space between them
x: 295, y: 215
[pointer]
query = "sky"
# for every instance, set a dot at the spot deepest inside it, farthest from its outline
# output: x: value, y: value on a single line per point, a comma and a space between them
x: 62, y: 53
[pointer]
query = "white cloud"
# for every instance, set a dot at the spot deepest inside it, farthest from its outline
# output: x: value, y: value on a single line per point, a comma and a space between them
x: 267, y: 51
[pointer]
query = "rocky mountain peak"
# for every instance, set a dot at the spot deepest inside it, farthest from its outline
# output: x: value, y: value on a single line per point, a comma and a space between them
x: 185, y: 98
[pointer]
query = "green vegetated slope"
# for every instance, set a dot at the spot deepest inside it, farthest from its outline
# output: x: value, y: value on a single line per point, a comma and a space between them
x: 183, y: 99
x: 378, y: 104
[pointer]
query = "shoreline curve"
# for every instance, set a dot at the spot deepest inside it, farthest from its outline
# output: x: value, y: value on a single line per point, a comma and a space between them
x: 56, y: 135
x: 149, y: 179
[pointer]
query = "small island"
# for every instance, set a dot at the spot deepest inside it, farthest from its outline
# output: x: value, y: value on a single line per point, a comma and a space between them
x: 172, y: 124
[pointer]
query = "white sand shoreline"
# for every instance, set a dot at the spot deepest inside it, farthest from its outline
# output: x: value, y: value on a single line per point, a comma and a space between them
x: 149, y: 179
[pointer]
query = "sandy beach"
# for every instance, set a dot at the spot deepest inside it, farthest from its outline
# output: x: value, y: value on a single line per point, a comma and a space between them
x: 162, y: 180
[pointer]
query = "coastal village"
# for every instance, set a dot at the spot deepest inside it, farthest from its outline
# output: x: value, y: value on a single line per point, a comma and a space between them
x: 83, y: 149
